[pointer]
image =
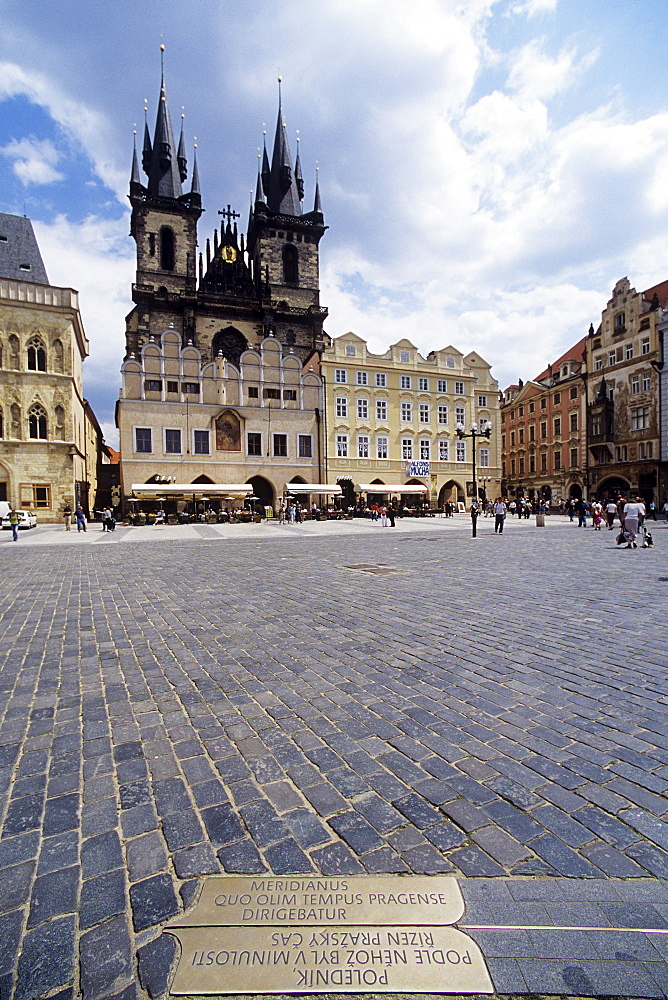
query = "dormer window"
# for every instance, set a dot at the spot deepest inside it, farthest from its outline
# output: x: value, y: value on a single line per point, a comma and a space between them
x: 3, y: 239
x: 25, y: 267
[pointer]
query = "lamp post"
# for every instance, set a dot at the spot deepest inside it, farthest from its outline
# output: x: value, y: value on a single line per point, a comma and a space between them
x: 484, y: 429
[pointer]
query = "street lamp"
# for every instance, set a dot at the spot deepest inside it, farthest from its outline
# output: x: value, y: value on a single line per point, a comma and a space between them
x: 484, y: 429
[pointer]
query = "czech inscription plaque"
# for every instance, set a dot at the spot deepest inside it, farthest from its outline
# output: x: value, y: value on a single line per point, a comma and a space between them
x: 303, y: 934
x: 245, y: 901
x: 359, y: 959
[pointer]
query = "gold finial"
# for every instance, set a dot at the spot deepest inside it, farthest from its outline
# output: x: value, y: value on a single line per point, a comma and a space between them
x: 280, y: 79
x: 162, y: 48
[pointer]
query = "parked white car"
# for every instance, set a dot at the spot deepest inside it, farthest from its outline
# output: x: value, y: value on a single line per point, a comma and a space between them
x: 26, y: 520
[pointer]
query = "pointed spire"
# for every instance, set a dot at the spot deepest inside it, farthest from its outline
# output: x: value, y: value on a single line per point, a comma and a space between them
x: 317, y: 204
x: 181, y: 155
x: 147, y: 151
x: 283, y: 195
x: 134, y: 175
x: 164, y: 179
x: 298, y: 174
x: 259, y: 190
x: 266, y: 172
x: 195, y: 188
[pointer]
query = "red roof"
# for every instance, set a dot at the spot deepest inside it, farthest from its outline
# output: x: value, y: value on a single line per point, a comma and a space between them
x: 661, y: 290
x: 573, y: 353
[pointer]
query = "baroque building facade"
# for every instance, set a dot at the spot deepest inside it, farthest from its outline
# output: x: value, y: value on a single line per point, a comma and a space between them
x: 50, y: 442
x: 391, y: 421
x: 213, y: 387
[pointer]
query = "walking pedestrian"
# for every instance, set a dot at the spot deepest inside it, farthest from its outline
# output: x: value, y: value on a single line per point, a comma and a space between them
x: 634, y: 514
x: 500, y: 511
x: 106, y: 518
x: 14, y: 520
x: 610, y: 513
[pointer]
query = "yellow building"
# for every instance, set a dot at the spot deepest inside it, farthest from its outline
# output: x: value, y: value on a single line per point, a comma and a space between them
x: 50, y: 441
x: 391, y: 421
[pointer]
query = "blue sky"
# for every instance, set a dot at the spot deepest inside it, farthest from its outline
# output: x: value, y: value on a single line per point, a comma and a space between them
x: 488, y: 169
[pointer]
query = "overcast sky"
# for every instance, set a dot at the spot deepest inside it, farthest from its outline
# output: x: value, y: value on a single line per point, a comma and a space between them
x: 488, y: 170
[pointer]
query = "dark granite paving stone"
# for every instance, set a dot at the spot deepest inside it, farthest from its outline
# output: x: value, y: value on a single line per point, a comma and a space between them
x: 646, y: 800
x: 651, y: 827
x: 128, y: 751
x: 325, y: 799
x: 9, y: 754
x: 650, y: 857
x: 152, y: 900
x: 606, y: 826
x: 196, y: 860
x: 513, y: 792
x: 565, y: 828
x: 101, y: 854
x: 241, y: 859
x: 336, y: 859
x: 508, y: 913
x: 140, y: 819
x: 106, y: 960
x: 132, y: 770
x: 347, y: 782
x: 154, y: 964
x: 382, y: 816
x: 222, y: 825
x: 15, y: 885
x: 419, y: 812
x: 384, y: 862
x: 170, y: 796
x: 613, y: 862
x: 146, y: 855
x: 182, y: 829
x: 209, y: 793
x: 435, y: 791
x: 25, y: 786
x: 287, y: 858
x: 506, y: 976
x: 474, y: 862
x: 624, y: 947
x: 307, y: 829
x: 387, y: 785
x: 500, y: 846
x: 356, y: 832
x: 639, y: 915
x: 445, y: 836
x: 562, y: 858
x: 233, y: 769
x: 10, y: 935
x: 102, y: 897
x: 465, y: 815
x: 515, y: 822
x: 47, y: 958
x: 53, y: 895
x: 21, y: 848
x: 23, y: 814
x: 135, y: 793
x: 264, y: 824
x: 243, y: 792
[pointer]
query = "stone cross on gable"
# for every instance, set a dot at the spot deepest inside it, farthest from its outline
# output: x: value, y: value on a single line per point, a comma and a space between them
x: 229, y: 214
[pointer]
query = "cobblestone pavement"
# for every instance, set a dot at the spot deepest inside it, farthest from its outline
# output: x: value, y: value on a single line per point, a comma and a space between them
x: 345, y: 700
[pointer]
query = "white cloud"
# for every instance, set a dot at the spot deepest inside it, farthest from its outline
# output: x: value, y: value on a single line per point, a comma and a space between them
x: 34, y: 160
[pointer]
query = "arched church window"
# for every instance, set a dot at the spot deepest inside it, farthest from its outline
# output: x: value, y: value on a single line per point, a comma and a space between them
x: 167, y: 248
x: 37, y: 422
x: 60, y: 423
x: 0, y: 354
x: 58, y: 356
x: 290, y: 265
x: 14, y: 349
x: 16, y: 421
x: 2, y: 424
x: 290, y: 338
x: 36, y: 355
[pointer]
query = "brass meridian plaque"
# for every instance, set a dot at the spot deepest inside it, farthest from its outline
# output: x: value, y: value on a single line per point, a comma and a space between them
x: 351, y: 959
x: 304, y: 900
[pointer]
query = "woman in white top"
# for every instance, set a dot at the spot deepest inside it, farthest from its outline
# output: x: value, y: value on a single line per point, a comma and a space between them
x: 634, y: 512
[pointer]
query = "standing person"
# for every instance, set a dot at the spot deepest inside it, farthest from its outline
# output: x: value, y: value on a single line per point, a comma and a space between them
x: 67, y: 516
x: 634, y: 513
x: 106, y: 518
x: 81, y: 518
x: 500, y: 511
x: 665, y: 510
x: 292, y: 513
x: 14, y: 520
x: 281, y: 514
x: 511, y: 507
x: 391, y: 513
x: 610, y: 513
x: 383, y: 516
x: 582, y: 513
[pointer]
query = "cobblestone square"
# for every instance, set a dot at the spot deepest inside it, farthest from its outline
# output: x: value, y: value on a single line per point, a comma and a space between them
x: 179, y: 702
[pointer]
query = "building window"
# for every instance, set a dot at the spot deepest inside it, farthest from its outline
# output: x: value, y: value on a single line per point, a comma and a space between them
x: 254, y: 443
x: 512, y: 467
x: 557, y: 426
x: 635, y: 385
x: 532, y: 433
x: 341, y: 406
x: 521, y: 411
x: 423, y: 384
x: 629, y: 351
x: 574, y: 421
x: 305, y: 445
x: 557, y: 398
x: 167, y: 249
x: 143, y: 442
x: 35, y: 495
x: 406, y: 412
x: 574, y: 458
x: 381, y: 447
x: 543, y: 462
x: 442, y: 413
x: 640, y: 418
x: 341, y: 375
x: 172, y: 442
x: 36, y: 355
x: 482, y: 401
x: 342, y: 446
x: 153, y: 385
x: 381, y: 410
x: 460, y: 415
x: 574, y: 392
x: 289, y: 395
x: 521, y: 435
x: 192, y: 388
x: 363, y: 409
x: 645, y: 449
x: 483, y: 458
x: 532, y: 407
x: 612, y: 358
x: 459, y: 388
x: 253, y: 392
x: 404, y: 357
x: 362, y: 445
x: 442, y: 385
x: 201, y: 441
x: 407, y: 448
x: 174, y: 387
x: 272, y: 394
x: 280, y: 445
x: 424, y: 413
x: 362, y: 378
x: 512, y: 439
x: 644, y: 345
x: 460, y: 451
x: 543, y: 403
x: 621, y: 453
x: 620, y: 322
x: 291, y: 265
x: 405, y: 381
x: 381, y: 380
x: 37, y: 422
x: 425, y: 449
x: 645, y: 382
x: 521, y: 465
x: 543, y: 429
x: 596, y: 426
x: 350, y: 350
x: 557, y: 460
x: 443, y: 451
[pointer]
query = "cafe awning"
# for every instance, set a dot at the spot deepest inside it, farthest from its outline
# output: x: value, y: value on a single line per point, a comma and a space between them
x: 324, y: 488
x: 150, y: 491
x: 389, y: 488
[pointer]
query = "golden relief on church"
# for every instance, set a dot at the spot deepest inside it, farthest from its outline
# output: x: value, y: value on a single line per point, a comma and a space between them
x: 228, y: 432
